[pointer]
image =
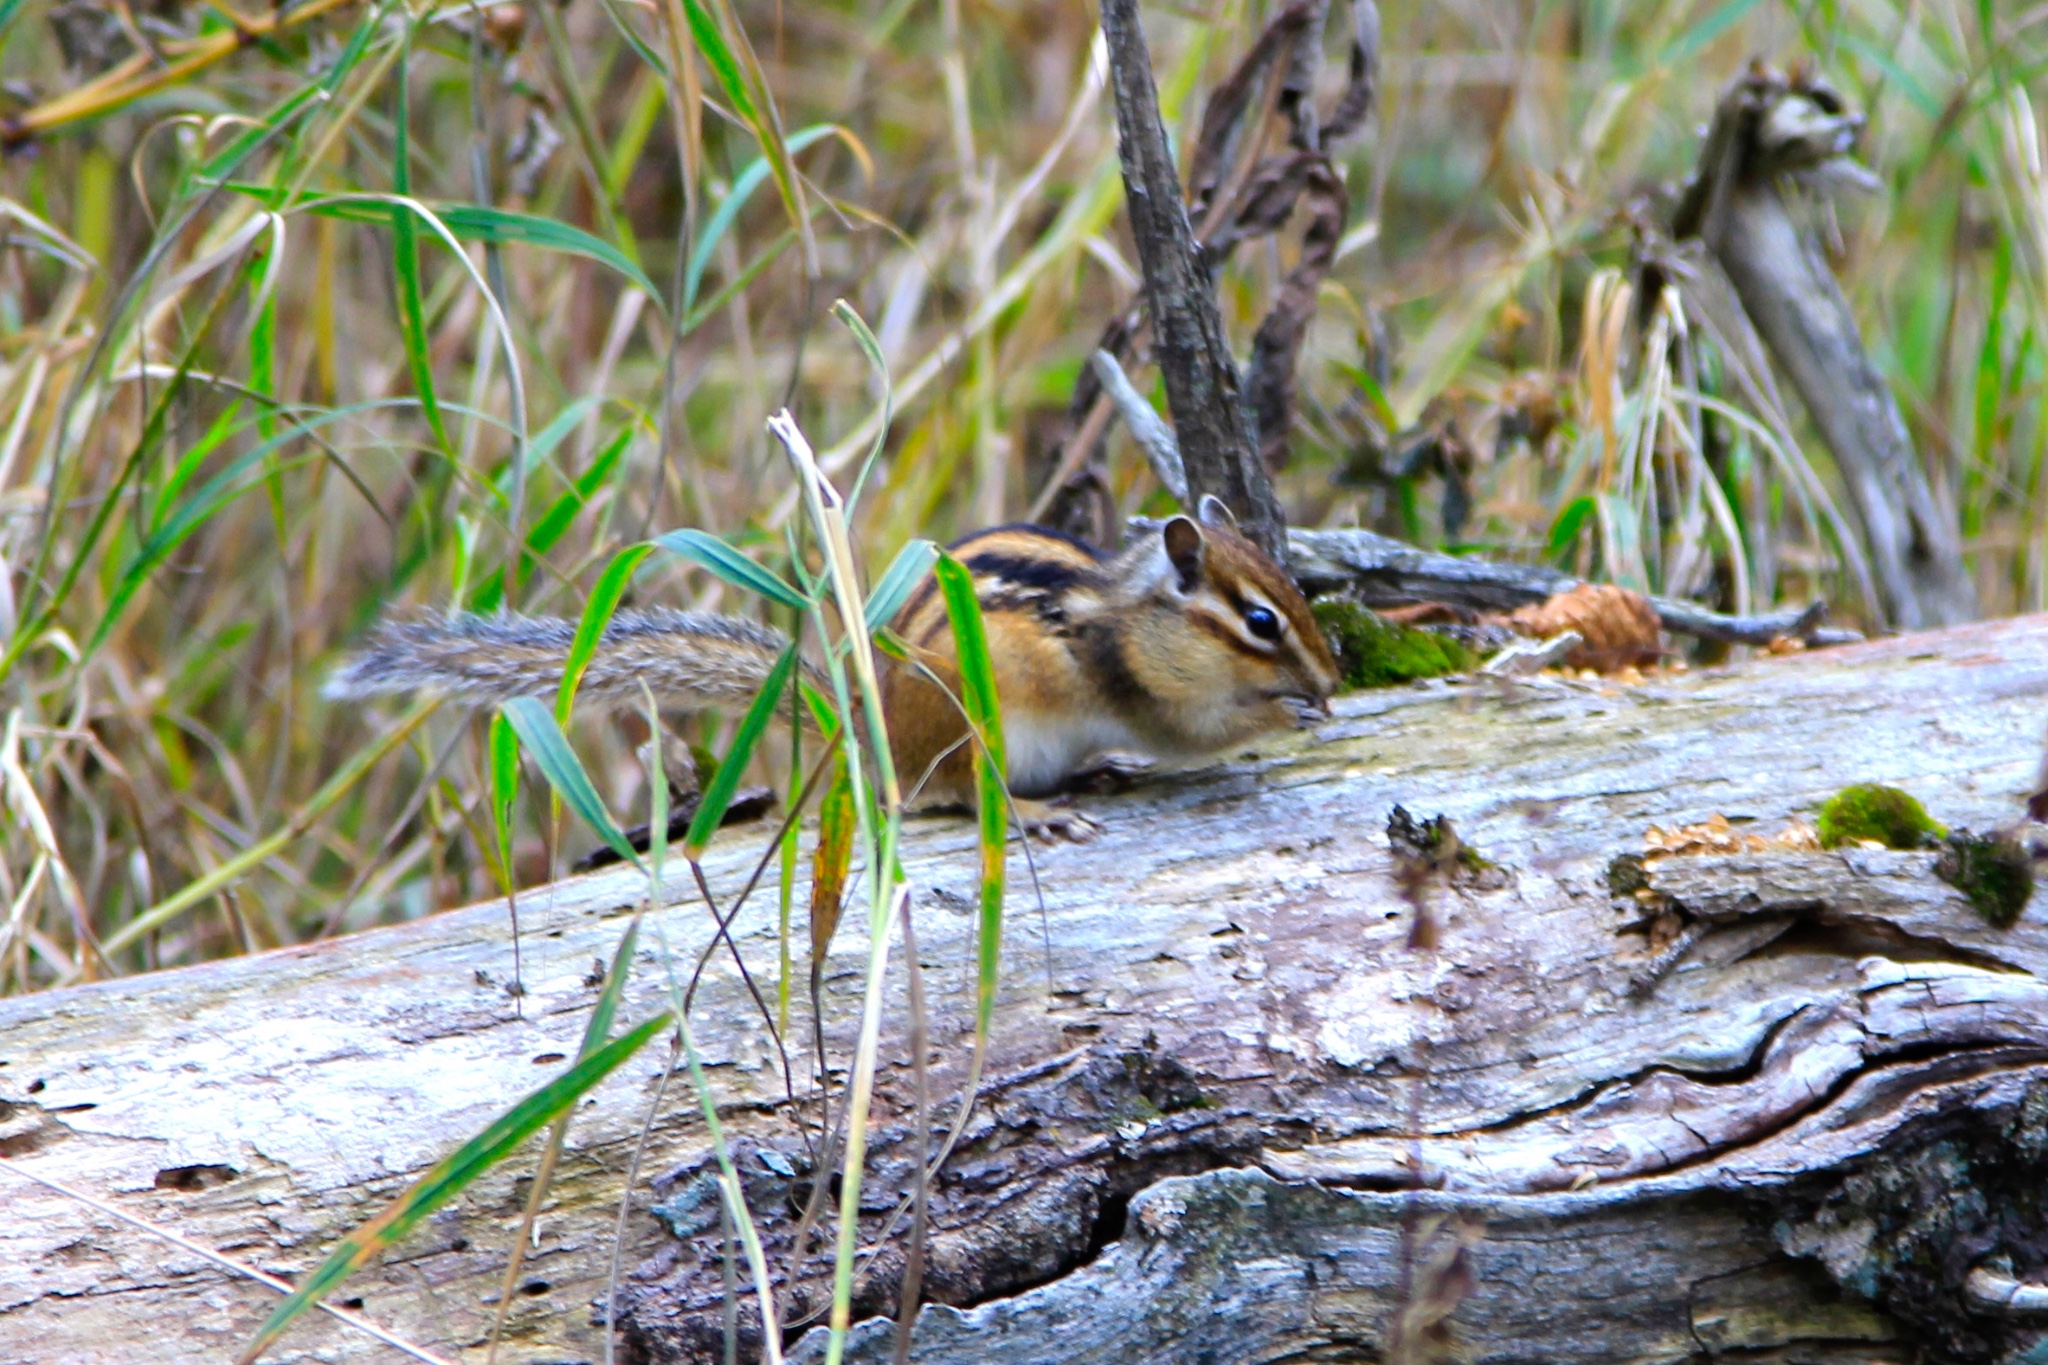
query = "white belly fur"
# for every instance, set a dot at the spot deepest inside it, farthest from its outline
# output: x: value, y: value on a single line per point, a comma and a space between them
x: 1042, y: 750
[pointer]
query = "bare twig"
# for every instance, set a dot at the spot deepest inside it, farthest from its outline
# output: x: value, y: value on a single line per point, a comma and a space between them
x: 1154, y: 437
x: 1533, y: 656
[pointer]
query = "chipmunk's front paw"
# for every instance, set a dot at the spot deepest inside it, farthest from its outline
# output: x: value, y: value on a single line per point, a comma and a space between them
x: 1052, y: 824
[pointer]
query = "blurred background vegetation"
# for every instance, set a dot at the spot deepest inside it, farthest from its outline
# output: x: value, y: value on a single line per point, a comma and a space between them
x: 249, y: 399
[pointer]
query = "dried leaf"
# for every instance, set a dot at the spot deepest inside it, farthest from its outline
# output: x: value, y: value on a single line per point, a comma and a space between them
x: 1715, y: 836
x: 1619, y: 626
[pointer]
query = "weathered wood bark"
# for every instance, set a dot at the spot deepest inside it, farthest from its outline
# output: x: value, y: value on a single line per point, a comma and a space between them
x: 1203, y: 389
x: 1766, y: 130
x: 1219, y: 1068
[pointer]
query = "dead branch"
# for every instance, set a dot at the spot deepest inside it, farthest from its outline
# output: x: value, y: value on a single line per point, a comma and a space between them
x: 1384, y: 572
x: 1202, y: 386
x: 1237, y: 193
x: 1773, y: 133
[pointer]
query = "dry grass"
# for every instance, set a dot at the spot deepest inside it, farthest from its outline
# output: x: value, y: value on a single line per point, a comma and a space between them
x: 215, y: 467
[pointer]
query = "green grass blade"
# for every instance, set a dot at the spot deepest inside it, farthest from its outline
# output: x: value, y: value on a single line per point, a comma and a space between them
x: 1908, y: 83
x: 626, y: 149
x: 873, y: 350
x: 1691, y: 40
x: 725, y: 292
x: 970, y: 638
x: 719, y: 56
x: 504, y: 790
x: 263, y: 339
x: 453, y: 1174
x: 564, y: 771
x: 188, y: 465
x: 561, y: 514
x: 978, y: 695
x: 719, y: 791
x: 607, y: 1007
x: 405, y: 246
x: 739, y: 75
x: 743, y: 186
x: 707, y: 550
x: 237, y: 477
x: 899, y: 580
x: 597, y: 615
x: 1375, y: 397
x: 214, y: 171
x: 641, y: 49
x: 542, y: 444
x: 1565, y: 529
x: 481, y: 223
x: 478, y: 223
x: 821, y: 711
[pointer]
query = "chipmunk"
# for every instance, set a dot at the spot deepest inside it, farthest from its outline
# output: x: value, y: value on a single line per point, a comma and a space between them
x: 1189, y: 641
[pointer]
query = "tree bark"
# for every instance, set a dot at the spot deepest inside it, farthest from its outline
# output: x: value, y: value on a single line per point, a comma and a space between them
x: 1231, y: 1114
x: 1203, y: 390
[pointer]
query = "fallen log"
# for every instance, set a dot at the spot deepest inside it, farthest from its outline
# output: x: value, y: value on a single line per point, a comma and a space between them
x: 1230, y: 1112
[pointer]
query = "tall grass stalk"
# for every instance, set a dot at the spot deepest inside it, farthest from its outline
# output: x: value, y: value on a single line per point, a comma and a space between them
x: 879, y: 819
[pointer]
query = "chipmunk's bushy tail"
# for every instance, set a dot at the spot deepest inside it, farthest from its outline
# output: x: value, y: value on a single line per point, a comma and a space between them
x: 689, y: 660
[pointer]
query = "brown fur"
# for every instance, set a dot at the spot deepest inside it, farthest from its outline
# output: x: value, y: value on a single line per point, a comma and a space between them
x: 1148, y: 650
x: 1118, y: 644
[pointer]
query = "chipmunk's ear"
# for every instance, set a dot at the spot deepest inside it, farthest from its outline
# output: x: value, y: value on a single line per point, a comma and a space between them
x: 1215, y: 512
x: 1183, y: 541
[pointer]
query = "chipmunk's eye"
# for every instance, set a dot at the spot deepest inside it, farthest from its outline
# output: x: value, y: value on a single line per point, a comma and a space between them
x: 1262, y: 623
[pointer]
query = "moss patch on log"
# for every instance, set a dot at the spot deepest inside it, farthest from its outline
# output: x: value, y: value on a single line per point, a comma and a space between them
x: 1375, y: 652
x: 1871, y: 812
x: 1994, y: 873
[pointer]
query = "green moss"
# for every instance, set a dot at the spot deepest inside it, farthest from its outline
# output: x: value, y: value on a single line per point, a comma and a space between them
x: 1374, y: 652
x: 1870, y: 811
x: 1993, y: 873
x: 1626, y: 876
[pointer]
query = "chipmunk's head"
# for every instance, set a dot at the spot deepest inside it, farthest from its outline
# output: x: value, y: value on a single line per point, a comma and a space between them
x: 1229, y: 646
